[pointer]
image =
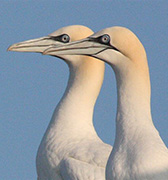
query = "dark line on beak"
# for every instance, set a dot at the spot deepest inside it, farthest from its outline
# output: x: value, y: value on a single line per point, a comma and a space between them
x: 17, y: 47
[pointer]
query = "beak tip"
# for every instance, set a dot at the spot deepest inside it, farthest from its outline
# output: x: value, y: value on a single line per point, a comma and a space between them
x: 9, y: 48
x: 12, y: 48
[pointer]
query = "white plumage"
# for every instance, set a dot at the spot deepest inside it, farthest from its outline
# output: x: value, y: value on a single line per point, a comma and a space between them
x: 71, y: 148
x: 139, y: 152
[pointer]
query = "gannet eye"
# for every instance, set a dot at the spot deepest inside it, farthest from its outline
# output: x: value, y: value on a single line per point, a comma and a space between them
x: 105, y: 39
x: 65, y: 38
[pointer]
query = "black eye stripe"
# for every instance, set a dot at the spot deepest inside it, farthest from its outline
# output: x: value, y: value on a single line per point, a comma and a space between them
x: 99, y: 40
x: 60, y: 38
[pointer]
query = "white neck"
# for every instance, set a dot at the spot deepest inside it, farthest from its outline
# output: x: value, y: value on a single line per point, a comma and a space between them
x: 72, y: 122
x: 133, y: 102
x: 75, y: 110
x: 138, y: 145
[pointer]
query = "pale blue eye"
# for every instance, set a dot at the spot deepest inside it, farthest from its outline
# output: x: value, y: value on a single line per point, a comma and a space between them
x: 105, y: 39
x: 65, y: 38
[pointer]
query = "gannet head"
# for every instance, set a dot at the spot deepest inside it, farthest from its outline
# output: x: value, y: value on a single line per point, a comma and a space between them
x: 60, y: 37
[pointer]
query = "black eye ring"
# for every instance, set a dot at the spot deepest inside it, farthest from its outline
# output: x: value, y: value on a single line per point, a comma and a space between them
x: 105, y: 39
x: 65, y: 38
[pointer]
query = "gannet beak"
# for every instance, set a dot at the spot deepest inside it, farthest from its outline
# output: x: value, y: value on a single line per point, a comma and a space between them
x: 82, y: 47
x: 34, y: 45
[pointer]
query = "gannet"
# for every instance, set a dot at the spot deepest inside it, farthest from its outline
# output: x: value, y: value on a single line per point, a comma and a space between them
x: 71, y: 148
x: 139, y: 152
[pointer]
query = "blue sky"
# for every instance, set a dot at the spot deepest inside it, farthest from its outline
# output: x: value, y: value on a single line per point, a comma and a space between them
x: 32, y: 84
